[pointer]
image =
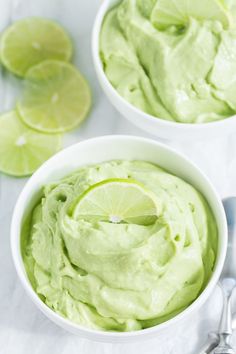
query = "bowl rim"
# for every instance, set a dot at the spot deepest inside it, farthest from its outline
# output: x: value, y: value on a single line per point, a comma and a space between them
x: 190, y: 127
x: 15, y: 232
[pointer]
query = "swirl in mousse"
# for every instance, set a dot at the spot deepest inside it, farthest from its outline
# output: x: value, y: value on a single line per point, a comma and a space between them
x: 119, y: 246
x: 173, y: 59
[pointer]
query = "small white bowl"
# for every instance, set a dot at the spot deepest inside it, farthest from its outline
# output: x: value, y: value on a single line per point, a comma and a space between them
x: 94, y: 151
x: 161, y: 128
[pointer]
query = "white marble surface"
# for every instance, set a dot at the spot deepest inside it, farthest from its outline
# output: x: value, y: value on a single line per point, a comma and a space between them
x: 23, y: 329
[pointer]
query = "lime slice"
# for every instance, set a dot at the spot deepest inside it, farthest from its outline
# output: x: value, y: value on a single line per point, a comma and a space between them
x: 30, y: 41
x: 117, y: 201
x: 178, y: 12
x: 23, y: 150
x: 56, y: 97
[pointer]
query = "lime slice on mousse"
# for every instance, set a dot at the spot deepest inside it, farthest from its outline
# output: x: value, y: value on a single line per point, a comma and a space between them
x: 23, y: 150
x: 117, y: 201
x: 30, y: 41
x: 56, y: 97
x: 178, y: 12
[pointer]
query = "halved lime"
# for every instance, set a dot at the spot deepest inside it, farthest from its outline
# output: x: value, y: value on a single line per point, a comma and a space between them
x: 30, y: 41
x: 178, y: 12
x: 23, y: 150
x: 117, y: 200
x: 56, y: 97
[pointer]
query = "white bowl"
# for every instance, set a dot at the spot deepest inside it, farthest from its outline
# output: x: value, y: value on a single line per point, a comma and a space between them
x: 161, y: 128
x: 94, y: 151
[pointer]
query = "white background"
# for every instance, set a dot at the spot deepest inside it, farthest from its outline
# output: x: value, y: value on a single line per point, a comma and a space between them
x: 23, y: 329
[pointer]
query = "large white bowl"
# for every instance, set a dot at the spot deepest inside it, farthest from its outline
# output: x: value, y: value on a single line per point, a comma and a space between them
x: 162, y: 128
x: 95, y: 151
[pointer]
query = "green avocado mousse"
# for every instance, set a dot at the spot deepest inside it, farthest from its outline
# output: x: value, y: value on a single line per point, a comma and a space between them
x: 119, y: 246
x: 173, y: 59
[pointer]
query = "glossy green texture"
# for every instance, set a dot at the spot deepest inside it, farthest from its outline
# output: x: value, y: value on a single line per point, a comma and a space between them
x: 120, y: 276
x: 173, y: 59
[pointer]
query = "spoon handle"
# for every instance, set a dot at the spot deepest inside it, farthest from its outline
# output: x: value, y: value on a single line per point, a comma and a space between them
x: 224, y: 347
x: 230, y: 263
x: 225, y: 330
x: 229, y: 269
x: 211, y: 343
x: 228, y: 281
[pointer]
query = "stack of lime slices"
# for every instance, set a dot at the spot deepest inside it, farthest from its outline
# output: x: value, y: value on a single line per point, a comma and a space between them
x: 55, y: 97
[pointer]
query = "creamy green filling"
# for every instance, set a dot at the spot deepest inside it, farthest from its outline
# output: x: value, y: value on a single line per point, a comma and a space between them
x: 120, y: 277
x: 174, y: 59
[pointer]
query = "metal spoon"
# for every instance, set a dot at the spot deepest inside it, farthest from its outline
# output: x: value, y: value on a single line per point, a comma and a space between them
x: 214, y: 339
x: 220, y: 342
x: 228, y: 280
